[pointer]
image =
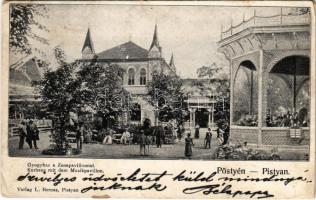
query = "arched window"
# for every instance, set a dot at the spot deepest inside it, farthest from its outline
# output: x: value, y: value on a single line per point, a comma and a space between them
x: 142, y: 77
x: 131, y: 76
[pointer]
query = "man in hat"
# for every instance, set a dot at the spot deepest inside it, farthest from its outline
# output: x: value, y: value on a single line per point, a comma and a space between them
x: 22, y: 133
x: 32, y: 134
x: 159, y: 133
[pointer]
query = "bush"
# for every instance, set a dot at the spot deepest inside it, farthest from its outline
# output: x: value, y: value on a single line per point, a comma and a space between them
x: 241, y: 152
x: 56, y: 150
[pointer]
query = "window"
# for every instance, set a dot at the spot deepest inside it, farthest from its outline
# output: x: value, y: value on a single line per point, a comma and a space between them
x: 131, y: 77
x: 142, y: 77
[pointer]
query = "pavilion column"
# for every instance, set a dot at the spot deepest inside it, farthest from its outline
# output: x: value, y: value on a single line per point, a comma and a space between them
x: 15, y: 114
x: 213, y: 114
x: 232, y: 83
x: 190, y: 110
x: 210, y: 117
x: 125, y: 120
x: 260, y: 98
x: 193, y: 120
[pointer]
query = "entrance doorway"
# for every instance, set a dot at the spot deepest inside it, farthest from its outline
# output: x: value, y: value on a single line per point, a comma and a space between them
x: 201, y: 117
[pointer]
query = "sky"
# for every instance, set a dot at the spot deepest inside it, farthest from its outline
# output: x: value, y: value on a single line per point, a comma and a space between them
x: 191, y: 33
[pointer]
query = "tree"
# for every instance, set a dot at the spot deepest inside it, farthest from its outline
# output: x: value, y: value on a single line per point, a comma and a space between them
x: 165, y: 94
x: 215, y: 82
x: 208, y: 71
x: 101, y: 90
x: 22, y: 24
x: 59, y: 93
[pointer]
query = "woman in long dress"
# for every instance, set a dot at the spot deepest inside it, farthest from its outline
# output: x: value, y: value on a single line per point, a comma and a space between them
x: 188, y: 146
x: 197, y: 132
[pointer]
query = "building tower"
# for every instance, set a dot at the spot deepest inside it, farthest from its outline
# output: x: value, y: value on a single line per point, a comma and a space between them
x: 155, y: 48
x: 172, y: 65
x: 88, y: 49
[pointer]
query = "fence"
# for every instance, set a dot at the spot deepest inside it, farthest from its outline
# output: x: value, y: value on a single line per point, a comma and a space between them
x: 42, y: 125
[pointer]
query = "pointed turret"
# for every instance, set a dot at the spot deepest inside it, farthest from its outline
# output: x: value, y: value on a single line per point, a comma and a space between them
x: 171, y: 64
x: 88, y: 49
x: 155, y: 49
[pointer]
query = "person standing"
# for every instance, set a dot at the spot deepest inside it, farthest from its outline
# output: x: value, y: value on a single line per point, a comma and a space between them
x: 179, y: 132
x: 148, y: 134
x: 22, y: 133
x: 159, y: 132
x: 32, y: 134
x: 226, y: 133
x: 188, y: 146
x: 79, y: 136
x: 219, y: 132
x: 197, y: 132
x: 88, y: 134
x: 142, y: 143
x: 208, y: 138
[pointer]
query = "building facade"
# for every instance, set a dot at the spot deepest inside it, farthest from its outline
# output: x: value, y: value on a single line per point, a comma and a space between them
x: 138, y: 64
x: 267, y: 49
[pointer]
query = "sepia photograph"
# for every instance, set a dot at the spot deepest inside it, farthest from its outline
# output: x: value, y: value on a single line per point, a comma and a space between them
x: 159, y: 82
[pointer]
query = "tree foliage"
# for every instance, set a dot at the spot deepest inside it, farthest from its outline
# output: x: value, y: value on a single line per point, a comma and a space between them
x: 208, y: 71
x: 81, y: 87
x: 166, y: 95
x: 215, y: 82
x: 101, y: 88
x: 59, y: 91
x: 23, y: 21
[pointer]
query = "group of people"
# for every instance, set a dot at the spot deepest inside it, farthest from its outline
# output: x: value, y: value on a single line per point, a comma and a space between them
x: 149, y: 136
x: 248, y: 120
x: 290, y: 119
x: 124, y: 138
x: 222, y: 135
x: 28, y: 132
x: 155, y: 136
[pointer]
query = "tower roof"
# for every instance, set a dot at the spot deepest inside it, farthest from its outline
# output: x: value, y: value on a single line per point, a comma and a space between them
x: 155, y: 41
x: 88, y: 42
x: 171, y: 64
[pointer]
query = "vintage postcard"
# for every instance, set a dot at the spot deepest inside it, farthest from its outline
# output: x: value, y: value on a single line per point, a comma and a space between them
x: 162, y: 99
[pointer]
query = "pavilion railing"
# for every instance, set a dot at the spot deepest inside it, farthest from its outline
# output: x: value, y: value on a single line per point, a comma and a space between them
x: 259, y: 21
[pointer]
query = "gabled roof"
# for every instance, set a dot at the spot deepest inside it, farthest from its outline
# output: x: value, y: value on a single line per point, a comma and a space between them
x: 88, y: 42
x: 128, y: 50
x: 26, y: 71
x: 21, y: 62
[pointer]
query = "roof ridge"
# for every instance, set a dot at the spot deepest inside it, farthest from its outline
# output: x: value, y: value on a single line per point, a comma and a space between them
x: 132, y: 50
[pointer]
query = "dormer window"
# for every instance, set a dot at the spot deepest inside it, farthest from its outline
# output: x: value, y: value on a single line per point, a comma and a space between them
x: 142, y: 77
x: 131, y: 76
